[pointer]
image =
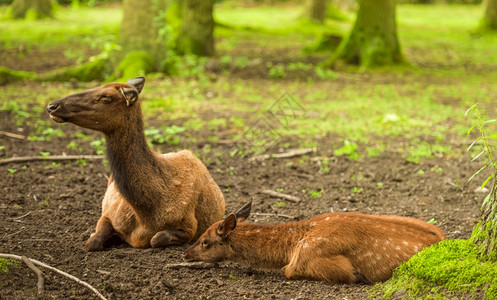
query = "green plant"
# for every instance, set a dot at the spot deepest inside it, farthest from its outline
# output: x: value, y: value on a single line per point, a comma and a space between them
x: 315, y: 193
x: 349, y: 149
x: 277, y: 72
x: 165, y: 135
x: 99, y: 146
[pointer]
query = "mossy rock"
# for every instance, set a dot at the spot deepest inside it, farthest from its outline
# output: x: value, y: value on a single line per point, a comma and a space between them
x: 7, y: 75
x: 451, y: 268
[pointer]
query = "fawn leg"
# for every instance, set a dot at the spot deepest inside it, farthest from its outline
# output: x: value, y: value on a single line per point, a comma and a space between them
x: 102, y: 233
x: 170, y: 237
x: 334, y: 269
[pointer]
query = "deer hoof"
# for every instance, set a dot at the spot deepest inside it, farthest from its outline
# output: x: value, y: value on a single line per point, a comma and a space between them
x: 94, y: 244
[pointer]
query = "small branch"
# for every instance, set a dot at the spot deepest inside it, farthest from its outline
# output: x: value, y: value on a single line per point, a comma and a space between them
x: 41, y: 281
x: 48, y: 158
x: 192, y: 265
x: 20, y: 217
x: 274, y: 215
x: 281, y: 195
x: 12, y: 135
x: 39, y: 263
x: 289, y: 154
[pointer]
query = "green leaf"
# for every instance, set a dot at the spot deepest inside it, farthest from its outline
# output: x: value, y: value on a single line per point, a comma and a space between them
x: 473, y: 143
x: 479, y: 154
x: 487, y: 180
x: 470, y: 109
x: 478, y: 172
x: 471, y: 129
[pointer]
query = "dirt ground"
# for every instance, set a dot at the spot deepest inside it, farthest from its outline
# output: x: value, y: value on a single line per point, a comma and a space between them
x: 48, y: 211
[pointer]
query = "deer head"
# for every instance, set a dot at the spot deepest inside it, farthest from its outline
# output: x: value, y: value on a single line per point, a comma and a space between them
x: 104, y: 108
x: 214, y: 244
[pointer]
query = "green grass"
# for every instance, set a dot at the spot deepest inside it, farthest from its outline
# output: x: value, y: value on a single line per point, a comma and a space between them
x: 423, y: 105
x: 67, y: 26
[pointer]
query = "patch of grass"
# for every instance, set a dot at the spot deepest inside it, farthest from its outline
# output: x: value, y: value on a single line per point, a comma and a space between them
x: 444, y: 270
x: 68, y: 26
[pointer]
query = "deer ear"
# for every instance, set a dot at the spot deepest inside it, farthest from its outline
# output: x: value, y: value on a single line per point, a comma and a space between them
x: 129, y: 94
x: 138, y: 83
x: 244, y: 212
x: 226, y: 226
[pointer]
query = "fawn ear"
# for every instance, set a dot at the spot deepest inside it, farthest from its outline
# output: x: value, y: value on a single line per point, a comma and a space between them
x: 138, y: 83
x: 243, y: 213
x: 226, y: 226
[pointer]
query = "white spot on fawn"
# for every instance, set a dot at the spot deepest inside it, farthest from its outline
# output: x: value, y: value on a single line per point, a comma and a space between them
x: 290, y: 230
x: 405, y: 243
x: 258, y: 230
x: 312, y: 224
x: 327, y: 218
x: 416, y: 249
x: 304, y: 245
x: 397, y: 248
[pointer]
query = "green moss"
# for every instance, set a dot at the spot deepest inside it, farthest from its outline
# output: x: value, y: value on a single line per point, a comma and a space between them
x: 7, y: 75
x: 92, y: 70
x: 134, y: 64
x: 447, y: 269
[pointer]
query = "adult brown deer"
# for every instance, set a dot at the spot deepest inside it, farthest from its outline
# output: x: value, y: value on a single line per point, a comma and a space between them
x: 151, y: 199
x: 335, y: 247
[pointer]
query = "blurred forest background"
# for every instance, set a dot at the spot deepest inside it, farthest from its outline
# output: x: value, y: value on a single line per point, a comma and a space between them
x: 354, y: 80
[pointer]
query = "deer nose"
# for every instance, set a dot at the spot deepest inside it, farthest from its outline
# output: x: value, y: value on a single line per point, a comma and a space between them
x: 52, y: 107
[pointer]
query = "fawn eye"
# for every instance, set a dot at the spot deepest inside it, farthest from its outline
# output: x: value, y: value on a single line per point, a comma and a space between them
x: 204, y: 244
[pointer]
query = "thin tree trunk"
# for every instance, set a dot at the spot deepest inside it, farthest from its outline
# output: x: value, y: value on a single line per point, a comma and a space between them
x: 197, y: 28
x: 316, y: 10
x: 489, y: 20
x: 373, y: 40
x: 39, y: 8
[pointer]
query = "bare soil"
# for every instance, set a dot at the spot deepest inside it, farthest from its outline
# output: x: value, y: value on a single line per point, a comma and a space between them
x: 47, y: 211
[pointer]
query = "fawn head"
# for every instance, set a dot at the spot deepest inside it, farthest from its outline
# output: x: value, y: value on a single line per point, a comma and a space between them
x: 214, y: 244
x: 103, y: 108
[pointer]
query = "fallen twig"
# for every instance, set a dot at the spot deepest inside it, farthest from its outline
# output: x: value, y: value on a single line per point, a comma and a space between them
x: 49, y: 158
x: 39, y: 263
x: 41, y: 281
x: 274, y: 215
x: 281, y: 195
x: 20, y: 217
x: 289, y: 154
x: 13, y: 135
x: 192, y: 265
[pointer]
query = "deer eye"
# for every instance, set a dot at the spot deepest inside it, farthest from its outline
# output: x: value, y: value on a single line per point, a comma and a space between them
x: 204, y: 244
x: 105, y: 98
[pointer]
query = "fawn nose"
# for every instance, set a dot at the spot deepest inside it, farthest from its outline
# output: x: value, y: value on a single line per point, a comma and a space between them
x: 52, y: 107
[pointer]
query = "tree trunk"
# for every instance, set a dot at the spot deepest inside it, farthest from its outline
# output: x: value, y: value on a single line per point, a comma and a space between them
x: 36, y: 9
x: 141, y: 27
x: 316, y: 10
x: 489, y: 20
x: 197, y: 27
x: 373, y: 40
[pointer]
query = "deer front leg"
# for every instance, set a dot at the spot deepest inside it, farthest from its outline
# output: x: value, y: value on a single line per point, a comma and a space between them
x: 102, y: 233
x: 170, y: 237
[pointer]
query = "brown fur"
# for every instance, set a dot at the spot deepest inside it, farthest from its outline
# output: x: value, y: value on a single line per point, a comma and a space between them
x: 151, y: 199
x: 335, y: 247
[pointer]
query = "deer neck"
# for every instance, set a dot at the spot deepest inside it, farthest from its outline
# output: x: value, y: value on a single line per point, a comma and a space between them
x: 133, y: 165
x: 266, y: 246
